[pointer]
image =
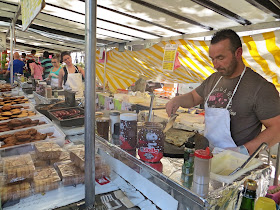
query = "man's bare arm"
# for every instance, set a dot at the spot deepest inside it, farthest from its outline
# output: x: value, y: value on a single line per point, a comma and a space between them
x: 187, y: 100
x: 271, y: 135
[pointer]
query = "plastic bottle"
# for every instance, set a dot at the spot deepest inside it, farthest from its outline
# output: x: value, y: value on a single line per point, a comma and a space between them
x: 188, y: 165
x: 48, y: 91
x: 249, y: 195
x: 264, y: 203
x: 201, y: 176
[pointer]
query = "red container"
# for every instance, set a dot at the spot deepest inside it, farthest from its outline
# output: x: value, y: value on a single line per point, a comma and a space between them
x: 150, y: 142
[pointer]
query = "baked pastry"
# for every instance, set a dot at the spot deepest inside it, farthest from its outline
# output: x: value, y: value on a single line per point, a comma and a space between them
x: 77, y: 156
x: 15, y: 191
x: 45, y: 179
x: 47, y: 150
x: 17, y: 168
x: 69, y: 173
x: 103, y: 170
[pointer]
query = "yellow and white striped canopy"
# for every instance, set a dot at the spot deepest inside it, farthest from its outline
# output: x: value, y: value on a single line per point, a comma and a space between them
x: 261, y: 52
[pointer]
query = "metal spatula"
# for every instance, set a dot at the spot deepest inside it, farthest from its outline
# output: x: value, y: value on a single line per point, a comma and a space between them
x: 260, y: 148
x: 170, y: 122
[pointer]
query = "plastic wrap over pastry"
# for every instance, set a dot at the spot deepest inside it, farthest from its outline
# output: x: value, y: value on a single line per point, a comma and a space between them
x: 37, y: 162
x: 15, y: 191
x: 65, y: 155
x: 17, y: 168
x: 45, y: 179
x: 69, y: 173
x: 103, y: 170
x: 47, y: 150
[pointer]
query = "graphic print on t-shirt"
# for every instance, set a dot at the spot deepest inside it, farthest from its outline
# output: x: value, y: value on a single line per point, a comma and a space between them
x: 220, y: 98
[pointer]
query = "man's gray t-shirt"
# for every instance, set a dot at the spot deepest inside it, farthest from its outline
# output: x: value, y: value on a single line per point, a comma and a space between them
x: 255, y: 99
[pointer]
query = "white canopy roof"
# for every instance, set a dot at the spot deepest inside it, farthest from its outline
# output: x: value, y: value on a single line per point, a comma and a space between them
x: 61, y: 24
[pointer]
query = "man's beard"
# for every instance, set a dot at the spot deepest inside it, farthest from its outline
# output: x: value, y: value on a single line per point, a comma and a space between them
x: 227, y: 72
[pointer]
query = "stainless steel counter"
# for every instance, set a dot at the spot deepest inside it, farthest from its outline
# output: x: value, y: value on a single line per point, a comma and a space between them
x: 221, y: 195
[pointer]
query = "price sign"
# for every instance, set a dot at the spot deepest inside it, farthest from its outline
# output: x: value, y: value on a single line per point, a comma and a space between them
x: 170, y: 51
x: 29, y: 10
x: 2, y: 41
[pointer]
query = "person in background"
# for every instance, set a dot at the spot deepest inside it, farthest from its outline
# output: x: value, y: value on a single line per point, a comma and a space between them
x: 54, y: 72
x: 36, y: 70
x: 237, y: 100
x: 46, y: 64
x: 23, y: 58
x: 29, y: 59
x: 71, y: 76
x: 18, y: 66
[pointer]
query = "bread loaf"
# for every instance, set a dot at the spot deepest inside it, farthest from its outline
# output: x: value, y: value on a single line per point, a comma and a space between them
x: 69, y: 173
x: 45, y: 179
x: 47, y: 150
x: 17, y: 168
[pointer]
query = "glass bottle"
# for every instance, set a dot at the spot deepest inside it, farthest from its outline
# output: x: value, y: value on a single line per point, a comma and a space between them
x: 249, y: 195
x: 188, y: 165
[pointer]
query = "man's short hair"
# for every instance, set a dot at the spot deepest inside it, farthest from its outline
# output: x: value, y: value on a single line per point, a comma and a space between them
x: 33, y: 52
x: 46, y: 54
x: 224, y: 34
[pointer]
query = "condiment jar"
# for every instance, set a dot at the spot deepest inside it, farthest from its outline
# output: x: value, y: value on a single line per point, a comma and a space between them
x: 49, y: 91
x: 128, y: 131
x: 102, y: 125
x: 150, y: 142
x: 114, y: 118
x: 201, y: 176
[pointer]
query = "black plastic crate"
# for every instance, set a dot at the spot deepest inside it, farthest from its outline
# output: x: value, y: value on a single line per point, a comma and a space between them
x: 68, y: 122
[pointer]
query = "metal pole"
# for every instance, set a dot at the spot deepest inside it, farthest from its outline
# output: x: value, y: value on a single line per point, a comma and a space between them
x: 12, y: 52
x: 105, y: 62
x: 90, y: 27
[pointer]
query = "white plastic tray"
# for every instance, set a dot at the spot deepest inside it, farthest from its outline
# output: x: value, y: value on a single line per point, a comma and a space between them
x: 39, y: 117
x: 59, y: 137
x: 227, y: 161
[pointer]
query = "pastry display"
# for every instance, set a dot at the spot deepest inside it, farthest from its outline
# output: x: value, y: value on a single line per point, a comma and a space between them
x: 69, y: 173
x: 15, y: 191
x: 45, y: 179
x: 5, y: 87
x: 18, y: 111
x: 47, y: 150
x: 17, y: 168
x: 19, y: 124
x: 23, y: 137
x: 10, y: 100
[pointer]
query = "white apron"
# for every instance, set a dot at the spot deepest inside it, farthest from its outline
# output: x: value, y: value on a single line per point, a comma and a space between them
x: 217, y: 122
x: 75, y: 83
x: 54, y: 82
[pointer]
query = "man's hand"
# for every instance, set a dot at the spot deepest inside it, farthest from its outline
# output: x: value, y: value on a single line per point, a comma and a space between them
x: 172, y: 106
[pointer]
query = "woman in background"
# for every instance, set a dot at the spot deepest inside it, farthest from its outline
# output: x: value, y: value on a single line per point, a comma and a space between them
x: 71, y: 76
x: 54, y: 72
x: 36, y: 70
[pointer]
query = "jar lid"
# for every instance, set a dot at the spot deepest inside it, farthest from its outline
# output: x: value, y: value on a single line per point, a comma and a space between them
x: 153, y: 125
x: 250, y: 184
x: 114, y: 113
x: 204, y: 154
x: 102, y: 119
x: 128, y: 116
x: 98, y: 114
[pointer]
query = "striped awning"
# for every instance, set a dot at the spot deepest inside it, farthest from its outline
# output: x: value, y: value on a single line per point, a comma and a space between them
x: 261, y: 52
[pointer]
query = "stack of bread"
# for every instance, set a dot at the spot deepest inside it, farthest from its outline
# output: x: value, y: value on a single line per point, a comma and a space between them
x: 77, y: 156
x: 17, y: 171
x: 43, y: 170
